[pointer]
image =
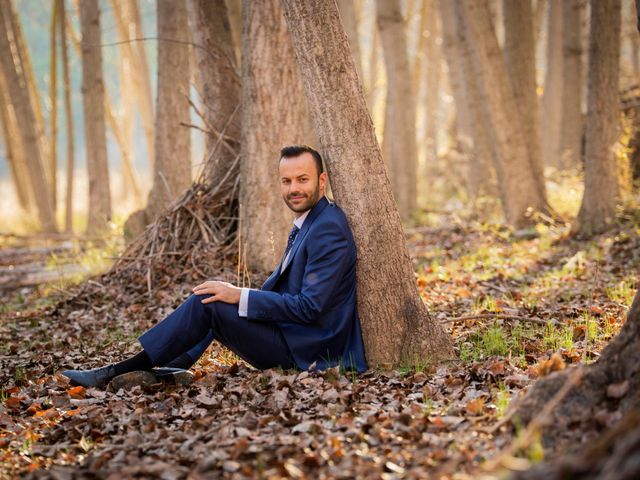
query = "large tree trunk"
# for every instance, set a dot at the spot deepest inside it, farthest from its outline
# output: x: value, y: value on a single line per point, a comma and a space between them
x: 520, y: 55
x: 220, y: 78
x: 472, y: 130
x: 519, y: 190
x: 395, y: 323
x: 20, y: 97
x: 399, y: 130
x: 571, y: 128
x: 552, y: 96
x: 172, y: 169
x: 94, y: 117
x: 66, y: 81
x: 600, y: 172
x: 274, y: 114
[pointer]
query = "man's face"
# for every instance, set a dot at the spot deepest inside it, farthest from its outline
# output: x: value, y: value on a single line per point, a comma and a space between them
x: 300, y: 184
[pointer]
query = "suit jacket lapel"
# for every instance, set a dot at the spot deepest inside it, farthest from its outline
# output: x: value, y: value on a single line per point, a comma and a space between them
x: 313, y: 214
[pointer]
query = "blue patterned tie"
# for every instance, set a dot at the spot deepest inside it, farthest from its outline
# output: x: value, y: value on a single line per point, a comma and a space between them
x: 292, y: 238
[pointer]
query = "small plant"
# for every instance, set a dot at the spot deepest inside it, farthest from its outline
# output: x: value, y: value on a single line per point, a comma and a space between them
x: 494, y: 341
x: 503, y: 398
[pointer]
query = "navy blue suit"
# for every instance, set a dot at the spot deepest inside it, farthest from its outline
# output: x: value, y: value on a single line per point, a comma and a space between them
x: 303, y: 314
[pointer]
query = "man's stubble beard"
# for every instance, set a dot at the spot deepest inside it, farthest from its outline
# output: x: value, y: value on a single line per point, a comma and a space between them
x: 307, y: 205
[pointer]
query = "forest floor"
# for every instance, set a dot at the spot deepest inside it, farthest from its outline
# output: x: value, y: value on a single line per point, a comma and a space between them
x: 517, y: 305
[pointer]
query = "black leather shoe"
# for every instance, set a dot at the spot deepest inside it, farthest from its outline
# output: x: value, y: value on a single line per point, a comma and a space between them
x: 179, y: 376
x: 97, y: 377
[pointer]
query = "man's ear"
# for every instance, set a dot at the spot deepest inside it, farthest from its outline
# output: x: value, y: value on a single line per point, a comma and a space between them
x: 322, y: 180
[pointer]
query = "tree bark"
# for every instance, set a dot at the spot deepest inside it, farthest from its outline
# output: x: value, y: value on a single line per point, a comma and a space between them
x: 53, y: 97
x: 395, y: 323
x: 552, y: 96
x: 571, y: 128
x: 474, y: 137
x: 172, y: 169
x: 600, y: 172
x: 519, y: 192
x: 94, y: 117
x: 234, y: 10
x: 520, y: 55
x: 216, y: 61
x: 274, y: 114
x: 400, y: 130
x: 66, y: 81
x: 20, y: 97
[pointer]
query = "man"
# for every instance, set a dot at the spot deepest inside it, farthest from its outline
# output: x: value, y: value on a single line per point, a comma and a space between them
x: 303, y: 316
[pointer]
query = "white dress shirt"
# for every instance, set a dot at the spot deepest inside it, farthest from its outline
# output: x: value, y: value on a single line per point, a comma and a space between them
x: 243, y: 306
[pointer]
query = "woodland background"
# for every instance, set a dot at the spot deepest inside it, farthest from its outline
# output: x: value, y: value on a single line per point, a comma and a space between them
x: 486, y: 154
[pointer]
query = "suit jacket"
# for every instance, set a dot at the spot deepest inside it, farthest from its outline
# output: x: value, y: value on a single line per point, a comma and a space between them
x: 313, y: 299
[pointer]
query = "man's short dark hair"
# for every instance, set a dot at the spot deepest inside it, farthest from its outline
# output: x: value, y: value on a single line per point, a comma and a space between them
x: 292, y: 151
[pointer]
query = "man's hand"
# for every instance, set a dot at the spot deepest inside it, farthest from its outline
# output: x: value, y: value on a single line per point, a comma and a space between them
x: 219, y: 291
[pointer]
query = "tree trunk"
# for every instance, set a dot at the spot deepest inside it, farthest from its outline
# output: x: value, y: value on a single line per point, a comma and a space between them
x: 600, y: 171
x: 374, y: 66
x: 172, y: 169
x: 274, y: 114
x: 129, y: 26
x: 94, y: 117
x: 395, y: 323
x: 571, y: 129
x: 518, y: 187
x: 520, y: 55
x: 349, y: 19
x: 400, y: 128
x: 13, y: 151
x: 432, y: 92
x: 53, y: 97
x: 19, y: 95
x: 474, y: 137
x: 68, y: 211
x: 216, y: 59
x: 552, y: 96
x: 234, y: 10
x: 24, y: 61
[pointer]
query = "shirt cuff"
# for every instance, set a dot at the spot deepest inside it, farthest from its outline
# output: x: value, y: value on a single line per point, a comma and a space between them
x: 243, y: 305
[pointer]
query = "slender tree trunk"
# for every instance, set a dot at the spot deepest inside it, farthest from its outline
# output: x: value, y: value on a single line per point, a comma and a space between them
x: 395, y: 323
x: 94, y: 117
x: 374, y: 67
x: 274, y: 114
x: 571, y: 131
x: 68, y: 217
x: 234, y: 10
x: 519, y: 54
x: 220, y: 79
x: 12, y: 151
x: 53, y: 97
x: 538, y: 19
x: 172, y: 169
x: 432, y: 91
x: 474, y: 137
x: 400, y: 130
x: 349, y: 19
x: 129, y: 26
x: 24, y: 61
x: 601, y: 173
x: 552, y: 96
x: 19, y: 95
x: 518, y: 188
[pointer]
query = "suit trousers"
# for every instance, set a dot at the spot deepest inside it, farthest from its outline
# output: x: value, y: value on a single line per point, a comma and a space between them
x: 193, y: 325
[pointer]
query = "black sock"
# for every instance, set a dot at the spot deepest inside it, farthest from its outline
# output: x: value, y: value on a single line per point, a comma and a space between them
x: 140, y: 361
x: 183, y: 361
